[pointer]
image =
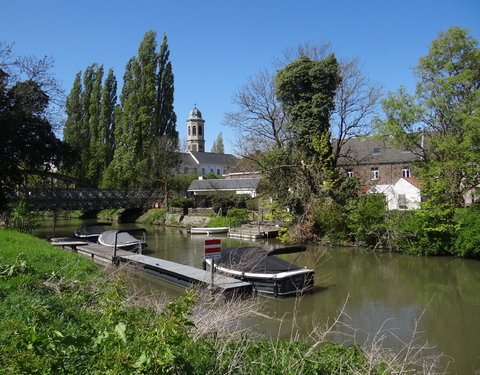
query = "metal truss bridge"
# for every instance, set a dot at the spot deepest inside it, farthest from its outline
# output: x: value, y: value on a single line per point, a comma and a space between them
x: 58, y: 199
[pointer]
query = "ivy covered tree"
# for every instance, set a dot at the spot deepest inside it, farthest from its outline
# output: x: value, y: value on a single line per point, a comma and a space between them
x: 306, y: 88
x: 145, y: 113
x: 441, y: 121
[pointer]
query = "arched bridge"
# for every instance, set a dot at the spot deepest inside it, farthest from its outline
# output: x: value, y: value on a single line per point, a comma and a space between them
x: 57, y: 199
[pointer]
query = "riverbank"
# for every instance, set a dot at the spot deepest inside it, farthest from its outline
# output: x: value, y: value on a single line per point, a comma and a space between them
x: 60, y: 313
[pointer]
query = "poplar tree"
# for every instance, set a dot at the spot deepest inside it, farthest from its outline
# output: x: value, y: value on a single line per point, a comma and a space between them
x: 95, y: 155
x: 107, y: 118
x: 145, y: 113
x: 73, y: 123
x: 217, y: 146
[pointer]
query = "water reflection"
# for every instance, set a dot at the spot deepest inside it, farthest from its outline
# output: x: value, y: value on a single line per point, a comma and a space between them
x: 387, y: 292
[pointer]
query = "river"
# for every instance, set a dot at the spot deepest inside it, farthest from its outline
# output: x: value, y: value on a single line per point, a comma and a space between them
x: 387, y: 293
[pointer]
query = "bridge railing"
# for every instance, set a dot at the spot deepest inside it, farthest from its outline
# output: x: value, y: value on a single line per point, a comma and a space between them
x: 88, y: 198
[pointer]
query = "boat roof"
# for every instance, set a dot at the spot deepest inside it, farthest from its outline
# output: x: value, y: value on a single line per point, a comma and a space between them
x: 253, y: 259
x: 108, y: 238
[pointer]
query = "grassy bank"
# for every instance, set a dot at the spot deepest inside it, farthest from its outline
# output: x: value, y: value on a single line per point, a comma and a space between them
x: 62, y: 314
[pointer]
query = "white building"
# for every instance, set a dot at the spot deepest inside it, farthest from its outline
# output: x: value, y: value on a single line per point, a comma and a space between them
x: 403, y: 195
x: 195, y: 159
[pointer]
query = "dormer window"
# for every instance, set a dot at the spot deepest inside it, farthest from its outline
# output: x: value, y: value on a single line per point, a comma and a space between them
x: 376, y: 150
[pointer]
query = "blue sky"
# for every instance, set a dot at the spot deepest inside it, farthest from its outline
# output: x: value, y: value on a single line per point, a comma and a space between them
x: 216, y: 45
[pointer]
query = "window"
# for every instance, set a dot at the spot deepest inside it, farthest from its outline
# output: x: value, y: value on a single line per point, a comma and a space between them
x: 189, y: 130
x: 376, y: 150
x: 406, y: 172
x: 203, y: 171
x: 199, y: 130
x: 218, y: 172
x: 375, y: 174
x: 350, y: 173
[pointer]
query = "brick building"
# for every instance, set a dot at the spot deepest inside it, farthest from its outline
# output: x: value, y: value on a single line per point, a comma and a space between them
x: 376, y: 162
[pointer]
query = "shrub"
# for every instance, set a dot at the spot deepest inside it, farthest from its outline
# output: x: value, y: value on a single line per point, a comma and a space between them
x: 366, y: 219
x: 183, y: 203
x: 330, y: 222
x: 467, y: 242
x: 224, y: 203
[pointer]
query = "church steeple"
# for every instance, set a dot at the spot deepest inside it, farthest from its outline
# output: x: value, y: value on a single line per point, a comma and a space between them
x: 195, y: 131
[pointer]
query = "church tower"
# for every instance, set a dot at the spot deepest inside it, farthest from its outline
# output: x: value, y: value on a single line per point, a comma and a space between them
x: 195, y: 131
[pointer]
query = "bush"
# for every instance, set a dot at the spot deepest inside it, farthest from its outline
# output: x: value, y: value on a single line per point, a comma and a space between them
x: 235, y: 218
x: 21, y: 217
x: 467, y: 242
x: 330, y: 222
x: 224, y: 203
x: 366, y: 219
x: 183, y: 203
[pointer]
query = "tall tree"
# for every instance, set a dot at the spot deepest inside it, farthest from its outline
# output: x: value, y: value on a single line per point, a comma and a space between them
x: 145, y: 113
x: 39, y: 70
x: 165, y: 117
x: 260, y: 119
x: 217, y: 146
x: 95, y: 162
x: 441, y: 121
x: 27, y: 140
x: 107, y: 119
x: 82, y: 127
x: 306, y: 88
x: 73, y: 124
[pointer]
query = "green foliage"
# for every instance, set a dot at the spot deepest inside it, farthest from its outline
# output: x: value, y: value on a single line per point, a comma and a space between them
x: 183, y: 203
x: 211, y: 176
x: 303, y: 172
x: 235, y: 217
x: 366, y: 219
x: 27, y: 140
x: 306, y: 88
x: 217, y: 146
x: 467, y: 242
x: 331, y: 222
x: 21, y: 217
x: 440, y: 122
x: 222, y: 203
x: 155, y: 217
x: 145, y: 121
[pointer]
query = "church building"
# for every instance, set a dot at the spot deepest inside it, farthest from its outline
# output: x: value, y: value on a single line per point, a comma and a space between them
x: 195, y: 159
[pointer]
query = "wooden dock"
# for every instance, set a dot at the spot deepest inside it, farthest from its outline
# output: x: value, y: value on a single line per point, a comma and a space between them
x: 254, y: 231
x: 176, y: 273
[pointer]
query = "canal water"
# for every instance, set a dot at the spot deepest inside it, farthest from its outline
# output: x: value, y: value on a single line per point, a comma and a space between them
x: 434, y: 300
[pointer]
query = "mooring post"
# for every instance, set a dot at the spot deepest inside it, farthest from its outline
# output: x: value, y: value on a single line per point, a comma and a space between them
x: 115, y: 249
x: 211, y: 274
